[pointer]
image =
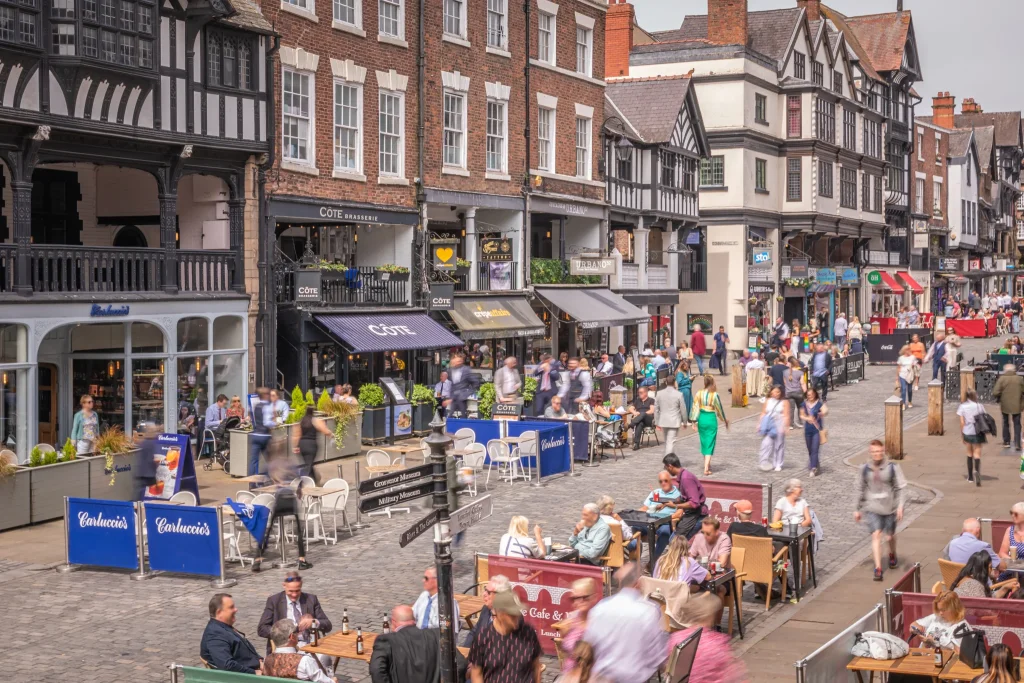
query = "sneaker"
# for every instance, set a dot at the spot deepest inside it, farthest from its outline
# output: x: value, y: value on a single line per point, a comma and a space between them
x: 878, y: 574
x: 778, y: 469
x: 892, y: 561
x: 305, y: 565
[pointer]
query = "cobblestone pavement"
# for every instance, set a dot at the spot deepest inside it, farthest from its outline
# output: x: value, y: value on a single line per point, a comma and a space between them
x: 104, y: 627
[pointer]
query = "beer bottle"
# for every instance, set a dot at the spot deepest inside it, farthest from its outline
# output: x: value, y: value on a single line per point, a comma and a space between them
x: 359, y: 641
x: 387, y: 625
x: 344, y: 622
x: 938, y: 657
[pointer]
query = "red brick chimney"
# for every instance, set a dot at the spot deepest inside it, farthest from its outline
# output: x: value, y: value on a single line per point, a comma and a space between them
x: 727, y: 22
x: 943, y: 108
x: 813, y: 8
x: 618, y: 37
x: 969, y: 106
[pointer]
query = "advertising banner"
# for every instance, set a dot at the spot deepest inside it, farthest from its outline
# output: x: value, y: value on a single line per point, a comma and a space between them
x: 183, y: 539
x: 579, y: 430
x: 722, y: 496
x: 495, y: 249
x: 501, y: 276
x: 176, y: 471
x: 552, y: 446
x: 1001, y: 620
x: 838, y: 371
x: 545, y: 589
x: 485, y: 430
x: 855, y: 367
x: 607, y: 382
x: 102, y: 533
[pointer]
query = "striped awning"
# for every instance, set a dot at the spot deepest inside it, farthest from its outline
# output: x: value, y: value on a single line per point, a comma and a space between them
x: 371, y: 333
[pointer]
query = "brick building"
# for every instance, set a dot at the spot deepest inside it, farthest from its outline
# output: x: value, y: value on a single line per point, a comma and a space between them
x: 929, y: 200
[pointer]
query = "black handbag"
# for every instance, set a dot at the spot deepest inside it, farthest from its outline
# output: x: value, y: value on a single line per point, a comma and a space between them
x: 972, y: 646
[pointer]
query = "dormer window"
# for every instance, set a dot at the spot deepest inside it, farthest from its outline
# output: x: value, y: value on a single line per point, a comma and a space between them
x: 228, y: 59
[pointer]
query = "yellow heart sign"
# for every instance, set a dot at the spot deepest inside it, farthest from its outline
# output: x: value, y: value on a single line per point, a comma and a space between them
x: 444, y: 255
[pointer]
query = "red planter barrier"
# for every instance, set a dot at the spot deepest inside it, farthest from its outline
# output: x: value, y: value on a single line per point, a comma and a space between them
x: 1001, y: 620
x: 722, y: 497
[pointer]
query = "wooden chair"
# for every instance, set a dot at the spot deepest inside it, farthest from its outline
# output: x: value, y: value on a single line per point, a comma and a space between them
x: 634, y: 554
x: 949, y: 571
x: 206, y: 664
x: 759, y: 565
x: 615, y: 554
x: 734, y: 598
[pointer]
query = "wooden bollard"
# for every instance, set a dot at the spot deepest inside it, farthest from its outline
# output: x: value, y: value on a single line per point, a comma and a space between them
x: 894, y: 427
x: 739, y: 391
x: 935, y: 402
x: 966, y: 382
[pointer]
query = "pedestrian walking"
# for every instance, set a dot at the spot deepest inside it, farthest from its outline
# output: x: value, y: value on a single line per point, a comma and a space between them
x: 974, y: 425
x: 85, y: 428
x: 669, y: 413
x: 304, y: 436
x: 856, y: 334
x: 283, y: 469
x: 698, y: 346
x: 508, y: 650
x: 821, y: 369
x: 794, y: 384
x: 772, y: 427
x: 262, y: 422
x: 464, y: 384
x: 938, y: 355
x: 839, y: 329
x: 442, y: 394
x: 813, y: 413
x: 707, y: 410
x: 1009, y: 391
x: 685, y: 355
x: 684, y: 384
x: 547, y: 384
x: 905, y: 365
x: 918, y: 352
x: 881, y: 494
x: 721, y: 348
x: 146, y: 461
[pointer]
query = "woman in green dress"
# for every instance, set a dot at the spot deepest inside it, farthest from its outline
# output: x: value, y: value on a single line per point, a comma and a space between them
x: 685, y: 385
x: 707, y: 409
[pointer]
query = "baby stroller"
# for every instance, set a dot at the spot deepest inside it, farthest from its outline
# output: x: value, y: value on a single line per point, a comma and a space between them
x: 216, y: 443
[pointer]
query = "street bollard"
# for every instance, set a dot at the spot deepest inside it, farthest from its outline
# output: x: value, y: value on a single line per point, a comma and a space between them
x: 966, y: 382
x: 738, y: 391
x: 894, y: 427
x: 935, y: 402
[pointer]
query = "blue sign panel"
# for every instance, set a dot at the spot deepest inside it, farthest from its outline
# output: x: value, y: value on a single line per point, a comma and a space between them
x: 183, y: 539
x: 762, y: 257
x: 108, y: 311
x: 552, y: 446
x: 102, y: 533
x: 580, y: 430
x: 826, y: 276
x: 848, y: 276
x: 485, y: 430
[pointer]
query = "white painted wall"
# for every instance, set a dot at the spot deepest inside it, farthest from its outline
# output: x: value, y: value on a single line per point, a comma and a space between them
x: 382, y: 244
x: 727, y: 284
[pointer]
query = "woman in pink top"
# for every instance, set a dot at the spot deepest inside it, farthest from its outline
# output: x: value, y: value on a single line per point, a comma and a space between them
x: 584, y: 596
x: 714, y: 661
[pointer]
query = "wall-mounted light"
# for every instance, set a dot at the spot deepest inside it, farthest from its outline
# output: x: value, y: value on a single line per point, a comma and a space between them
x: 198, y: 364
x: 110, y: 368
x: 350, y: 356
x: 463, y: 232
x: 117, y: 364
x: 548, y: 234
x: 5, y: 379
x: 177, y: 236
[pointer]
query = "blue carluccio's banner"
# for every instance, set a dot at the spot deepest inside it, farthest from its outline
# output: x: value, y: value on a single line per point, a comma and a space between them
x: 102, y: 533
x: 183, y: 539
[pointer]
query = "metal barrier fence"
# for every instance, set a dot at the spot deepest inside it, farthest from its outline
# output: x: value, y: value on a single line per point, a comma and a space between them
x: 828, y: 663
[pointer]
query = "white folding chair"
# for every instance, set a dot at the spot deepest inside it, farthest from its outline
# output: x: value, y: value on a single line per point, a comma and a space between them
x: 335, y: 503
x: 500, y: 455
x: 184, y: 498
x: 527, y: 448
x: 463, y: 437
x: 244, y: 496
x: 307, y: 482
x: 377, y: 458
x: 475, y: 459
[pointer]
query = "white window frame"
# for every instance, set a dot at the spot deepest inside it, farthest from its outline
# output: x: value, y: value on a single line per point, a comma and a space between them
x: 400, y: 35
x: 937, y: 194
x: 462, y: 18
x: 310, y: 160
x: 548, y: 142
x: 588, y: 45
x: 919, y: 188
x: 938, y: 150
x: 503, y: 138
x: 462, y: 131
x: 502, y: 43
x: 588, y: 147
x: 357, y: 16
x: 920, y: 145
x: 401, y: 134
x: 552, y: 56
x: 360, y: 128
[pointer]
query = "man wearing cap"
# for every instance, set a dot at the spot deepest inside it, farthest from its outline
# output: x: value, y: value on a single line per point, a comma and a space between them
x: 291, y: 603
x: 508, y: 650
x: 745, y: 525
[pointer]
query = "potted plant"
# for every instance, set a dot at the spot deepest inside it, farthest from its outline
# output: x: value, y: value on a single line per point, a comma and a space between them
x: 486, y: 398
x: 462, y: 266
x: 390, y: 271
x: 344, y: 420
x: 53, y: 476
x: 424, y: 406
x: 371, y: 400
x: 110, y: 475
x: 529, y: 390
x: 15, y: 493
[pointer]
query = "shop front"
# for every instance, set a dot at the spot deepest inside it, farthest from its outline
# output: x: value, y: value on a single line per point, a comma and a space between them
x: 915, y: 289
x: 759, y: 313
x: 141, y: 361
x: 578, y: 317
x: 508, y: 326
x: 821, y: 301
x: 794, y: 289
x: 848, y: 291
x: 886, y: 300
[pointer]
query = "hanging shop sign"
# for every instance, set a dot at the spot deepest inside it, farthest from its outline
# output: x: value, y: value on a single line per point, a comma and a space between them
x: 760, y: 288
x: 974, y: 264
x: 591, y: 265
x: 762, y: 257
x: 442, y: 297
x: 826, y: 276
x: 848, y: 276
x: 444, y: 254
x: 495, y: 249
x: 949, y: 264
x: 307, y: 285
x: 798, y: 268
x: 874, y: 278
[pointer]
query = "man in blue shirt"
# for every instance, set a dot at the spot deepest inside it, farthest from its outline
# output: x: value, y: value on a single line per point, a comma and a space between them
x: 961, y: 548
x: 657, y: 505
x: 821, y: 368
x: 721, y: 339
x: 216, y: 413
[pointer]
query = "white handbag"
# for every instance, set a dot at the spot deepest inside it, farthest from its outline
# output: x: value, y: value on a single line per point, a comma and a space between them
x: 878, y: 645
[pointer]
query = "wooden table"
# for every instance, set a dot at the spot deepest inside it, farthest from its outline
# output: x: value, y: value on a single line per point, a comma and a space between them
x: 401, y: 450
x: 956, y: 670
x: 469, y: 607
x: 341, y: 646
x: 384, y: 469
x: 920, y: 662
x: 794, y: 542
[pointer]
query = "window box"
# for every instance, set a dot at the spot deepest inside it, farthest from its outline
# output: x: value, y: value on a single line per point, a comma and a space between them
x: 393, y: 273
x: 113, y: 483
x: 16, y: 499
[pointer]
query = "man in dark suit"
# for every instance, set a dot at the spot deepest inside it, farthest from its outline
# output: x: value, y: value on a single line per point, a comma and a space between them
x: 548, y: 380
x: 619, y: 359
x: 291, y: 603
x: 464, y: 384
x: 222, y: 646
x: 409, y: 654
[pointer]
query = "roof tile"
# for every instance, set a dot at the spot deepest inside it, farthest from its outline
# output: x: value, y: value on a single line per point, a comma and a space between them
x: 650, y: 105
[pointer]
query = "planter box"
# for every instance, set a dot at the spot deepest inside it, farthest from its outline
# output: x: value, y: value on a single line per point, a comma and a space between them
x: 99, y: 477
x: 395, y: 277
x: 238, y: 454
x: 373, y: 424
x: 16, y: 500
x: 422, y: 415
x: 51, y: 483
x: 352, y: 445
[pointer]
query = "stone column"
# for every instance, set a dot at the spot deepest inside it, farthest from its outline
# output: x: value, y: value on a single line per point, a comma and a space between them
x: 236, y: 236
x: 21, y: 212
x: 168, y: 239
x: 472, y: 249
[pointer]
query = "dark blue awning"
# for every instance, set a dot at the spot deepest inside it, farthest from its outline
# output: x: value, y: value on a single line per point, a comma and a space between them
x: 370, y: 333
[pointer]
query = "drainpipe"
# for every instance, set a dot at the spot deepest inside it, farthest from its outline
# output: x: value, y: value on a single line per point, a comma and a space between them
x: 527, y: 229
x: 266, y: 315
x: 418, y: 279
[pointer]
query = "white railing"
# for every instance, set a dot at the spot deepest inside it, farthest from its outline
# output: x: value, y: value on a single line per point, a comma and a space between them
x: 657, y: 277
x: 883, y: 258
x: 630, y: 276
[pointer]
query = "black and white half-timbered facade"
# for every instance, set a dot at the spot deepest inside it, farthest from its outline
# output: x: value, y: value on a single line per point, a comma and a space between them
x: 130, y: 132
x: 653, y: 147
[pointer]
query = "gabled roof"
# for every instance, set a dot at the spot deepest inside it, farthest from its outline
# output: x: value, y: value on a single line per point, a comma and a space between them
x: 650, y: 108
x: 862, y: 56
x: 770, y: 31
x: 1007, y: 126
x: 960, y: 142
x: 883, y: 37
x: 985, y: 135
x: 248, y: 16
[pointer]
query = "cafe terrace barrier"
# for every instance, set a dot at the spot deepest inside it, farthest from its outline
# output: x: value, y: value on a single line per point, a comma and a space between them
x: 179, y: 538
x: 908, y: 583
x: 885, y: 348
x: 191, y: 674
x: 1001, y: 620
x: 828, y: 663
x: 553, y: 454
x: 544, y: 588
x: 965, y: 327
x: 721, y: 497
x: 485, y: 430
x: 581, y: 436
x: 993, y: 530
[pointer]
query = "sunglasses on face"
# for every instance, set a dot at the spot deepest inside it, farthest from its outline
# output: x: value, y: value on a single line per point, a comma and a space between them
x: 664, y: 481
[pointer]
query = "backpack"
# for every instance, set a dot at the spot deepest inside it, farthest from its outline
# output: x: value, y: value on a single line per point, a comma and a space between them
x: 866, y: 467
x: 878, y: 645
x: 983, y: 422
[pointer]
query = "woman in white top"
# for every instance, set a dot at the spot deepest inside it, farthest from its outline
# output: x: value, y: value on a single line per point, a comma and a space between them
x: 685, y: 353
x: 855, y: 335
x: 792, y: 508
x: 517, y: 542
x: 772, y: 427
x: 906, y: 364
x: 606, y: 504
x: 967, y: 411
x: 938, y: 628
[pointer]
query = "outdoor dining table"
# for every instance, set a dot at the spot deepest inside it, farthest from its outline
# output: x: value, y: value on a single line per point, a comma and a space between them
x: 920, y: 662
x: 955, y: 670
x: 384, y: 469
x: 343, y: 646
x: 727, y: 578
x: 794, y: 541
x: 638, y: 519
x: 401, y: 450
x: 562, y: 554
x: 469, y: 607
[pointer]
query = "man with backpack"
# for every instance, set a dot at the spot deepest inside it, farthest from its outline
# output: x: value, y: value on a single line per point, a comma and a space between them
x: 881, y: 494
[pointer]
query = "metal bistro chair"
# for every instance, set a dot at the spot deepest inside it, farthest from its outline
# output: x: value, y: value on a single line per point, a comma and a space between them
x: 336, y: 502
x: 501, y: 456
x: 680, y: 662
x: 184, y: 498
x: 475, y: 459
x: 463, y: 438
x: 527, y: 448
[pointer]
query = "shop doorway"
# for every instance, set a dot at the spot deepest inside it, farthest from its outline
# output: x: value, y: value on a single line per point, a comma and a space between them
x: 47, y: 403
x: 55, y: 197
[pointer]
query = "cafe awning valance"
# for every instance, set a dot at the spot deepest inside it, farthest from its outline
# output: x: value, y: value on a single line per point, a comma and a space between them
x: 910, y: 282
x: 489, y: 317
x: 597, y: 307
x: 370, y: 333
x: 890, y: 282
